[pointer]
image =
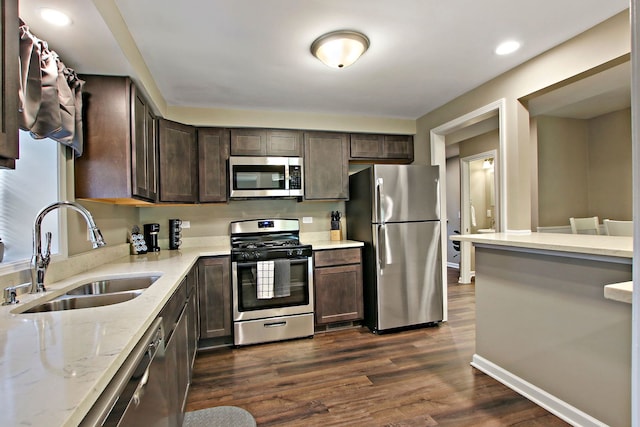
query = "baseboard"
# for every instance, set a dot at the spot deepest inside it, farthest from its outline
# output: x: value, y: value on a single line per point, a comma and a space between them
x: 551, y: 403
x: 453, y: 265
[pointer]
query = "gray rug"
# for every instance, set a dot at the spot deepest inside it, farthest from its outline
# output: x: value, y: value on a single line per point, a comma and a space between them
x: 223, y: 416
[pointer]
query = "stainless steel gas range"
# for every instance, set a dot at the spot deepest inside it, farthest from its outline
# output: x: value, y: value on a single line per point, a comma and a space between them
x: 272, y: 281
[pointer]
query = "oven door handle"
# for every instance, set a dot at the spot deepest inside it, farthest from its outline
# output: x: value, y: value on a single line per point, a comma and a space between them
x: 254, y: 263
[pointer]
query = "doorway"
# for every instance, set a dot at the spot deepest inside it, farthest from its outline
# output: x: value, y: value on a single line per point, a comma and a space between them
x: 439, y: 142
x: 479, y: 203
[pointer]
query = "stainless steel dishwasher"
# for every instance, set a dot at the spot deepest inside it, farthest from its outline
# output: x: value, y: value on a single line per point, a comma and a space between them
x: 137, y: 394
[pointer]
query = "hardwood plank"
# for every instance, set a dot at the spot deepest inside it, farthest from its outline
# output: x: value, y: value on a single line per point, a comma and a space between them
x: 419, y: 377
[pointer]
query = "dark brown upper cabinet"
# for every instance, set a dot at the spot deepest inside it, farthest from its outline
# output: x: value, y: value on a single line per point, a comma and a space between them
x: 385, y: 148
x: 266, y: 142
x: 119, y: 161
x: 9, y: 142
x: 326, y: 166
x: 178, y: 162
x: 213, y: 149
x: 144, y: 159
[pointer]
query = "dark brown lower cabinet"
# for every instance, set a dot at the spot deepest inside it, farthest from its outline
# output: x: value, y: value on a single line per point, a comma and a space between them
x: 338, y: 285
x: 214, y: 288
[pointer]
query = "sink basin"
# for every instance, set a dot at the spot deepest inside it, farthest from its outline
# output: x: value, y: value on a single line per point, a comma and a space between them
x: 98, y: 293
x: 109, y: 286
x: 66, y: 302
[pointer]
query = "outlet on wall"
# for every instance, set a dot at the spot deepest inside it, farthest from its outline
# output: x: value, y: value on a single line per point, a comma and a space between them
x: 307, y: 220
x: 186, y: 224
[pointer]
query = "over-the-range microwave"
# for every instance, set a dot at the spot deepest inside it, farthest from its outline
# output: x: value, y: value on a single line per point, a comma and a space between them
x: 251, y: 177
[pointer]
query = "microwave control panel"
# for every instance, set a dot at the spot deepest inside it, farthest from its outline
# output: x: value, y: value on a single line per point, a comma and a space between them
x: 295, y: 177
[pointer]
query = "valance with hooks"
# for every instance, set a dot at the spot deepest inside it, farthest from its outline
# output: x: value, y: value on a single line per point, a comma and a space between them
x: 50, y: 94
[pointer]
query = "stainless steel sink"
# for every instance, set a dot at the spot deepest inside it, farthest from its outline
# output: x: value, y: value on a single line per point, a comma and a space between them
x: 84, y: 301
x: 109, y: 286
x: 97, y: 293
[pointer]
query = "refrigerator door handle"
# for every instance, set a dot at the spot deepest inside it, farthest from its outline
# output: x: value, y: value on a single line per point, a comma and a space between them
x: 380, y: 194
x: 382, y: 246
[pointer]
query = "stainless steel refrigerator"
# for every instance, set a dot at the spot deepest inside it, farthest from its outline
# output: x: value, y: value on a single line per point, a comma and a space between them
x: 395, y: 211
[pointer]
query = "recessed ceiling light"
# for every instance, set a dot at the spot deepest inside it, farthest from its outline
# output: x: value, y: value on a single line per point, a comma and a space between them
x: 55, y: 17
x: 507, y: 47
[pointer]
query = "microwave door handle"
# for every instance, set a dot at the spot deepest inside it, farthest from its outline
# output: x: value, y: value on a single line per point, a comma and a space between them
x: 286, y: 177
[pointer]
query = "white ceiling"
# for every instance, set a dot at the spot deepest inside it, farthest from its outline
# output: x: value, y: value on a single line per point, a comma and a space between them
x: 254, y: 54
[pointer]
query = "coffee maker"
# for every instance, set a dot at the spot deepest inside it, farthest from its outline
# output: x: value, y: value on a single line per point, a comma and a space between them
x: 151, y: 237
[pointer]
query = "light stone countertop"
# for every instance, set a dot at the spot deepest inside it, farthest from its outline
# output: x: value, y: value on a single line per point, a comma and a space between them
x: 54, y: 365
x: 614, y: 246
x: 333, y: 244
x: 622, y: 292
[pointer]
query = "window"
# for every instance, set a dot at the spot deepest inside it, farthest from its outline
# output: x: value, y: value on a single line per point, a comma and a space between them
x: 34, y: 184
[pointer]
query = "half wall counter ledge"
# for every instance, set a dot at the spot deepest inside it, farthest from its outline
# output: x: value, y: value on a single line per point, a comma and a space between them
x: 544, y: 327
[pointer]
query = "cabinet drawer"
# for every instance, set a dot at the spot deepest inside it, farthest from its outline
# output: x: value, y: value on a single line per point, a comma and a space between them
x: 330, y: 257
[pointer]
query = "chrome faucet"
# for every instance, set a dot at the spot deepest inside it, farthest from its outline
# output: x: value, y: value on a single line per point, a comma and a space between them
x: 40, y: 261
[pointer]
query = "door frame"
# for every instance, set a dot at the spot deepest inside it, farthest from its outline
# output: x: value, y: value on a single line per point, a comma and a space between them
x: 438, y: 157
x: 466, y: 250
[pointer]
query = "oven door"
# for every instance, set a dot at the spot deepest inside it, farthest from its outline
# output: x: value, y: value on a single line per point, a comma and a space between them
x: 297, y: 297
x: 258, y: 177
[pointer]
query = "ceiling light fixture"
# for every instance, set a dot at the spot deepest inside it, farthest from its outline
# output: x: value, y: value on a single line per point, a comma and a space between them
x: 340, y: 49
x: 507, y: 47
x: 55, y: 17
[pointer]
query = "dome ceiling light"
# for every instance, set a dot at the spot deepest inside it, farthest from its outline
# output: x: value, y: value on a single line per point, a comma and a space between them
x: 340, y: 49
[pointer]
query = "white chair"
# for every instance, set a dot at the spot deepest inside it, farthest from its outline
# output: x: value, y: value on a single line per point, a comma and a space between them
x: 618, y: 228
x: 589, y: 225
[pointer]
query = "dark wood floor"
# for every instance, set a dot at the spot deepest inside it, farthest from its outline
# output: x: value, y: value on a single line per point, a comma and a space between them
x: 355, y: 378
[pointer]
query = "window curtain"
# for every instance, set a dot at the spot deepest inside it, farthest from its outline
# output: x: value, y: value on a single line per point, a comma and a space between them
x: 50, y: 94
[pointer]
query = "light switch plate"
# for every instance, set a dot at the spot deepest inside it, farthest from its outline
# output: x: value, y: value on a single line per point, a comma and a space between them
x: 307, y: 220
x: 186, y: 224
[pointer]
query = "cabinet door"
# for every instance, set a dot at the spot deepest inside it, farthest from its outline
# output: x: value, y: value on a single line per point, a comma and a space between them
x: 178, y: 159
x: 104, y: 169
x: 213, y: 147
x: 143, y: 140
x: 326, y: 166
x: 338, y: 292
x: 9, y: 78
x: 387, y: 148
x: 285, y: 143
x: 248, y: 142
x: 214, y: 287
x: 365, y: 146
x: 398, y: 147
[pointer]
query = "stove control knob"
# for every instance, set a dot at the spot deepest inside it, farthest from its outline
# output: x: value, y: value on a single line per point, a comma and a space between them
x: 298, y: 251
x: 289, y: 252
x: 244, y: 255
x: 256, y: 255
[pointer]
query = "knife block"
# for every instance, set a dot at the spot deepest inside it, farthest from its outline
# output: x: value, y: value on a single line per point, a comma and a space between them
x: 336, y: 234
